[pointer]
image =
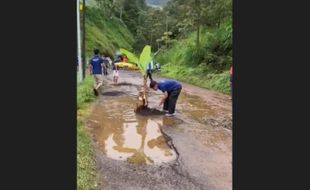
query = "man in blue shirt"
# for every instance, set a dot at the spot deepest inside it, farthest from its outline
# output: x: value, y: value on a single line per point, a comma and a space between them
x: 96, y: 69
x: 171, y: 90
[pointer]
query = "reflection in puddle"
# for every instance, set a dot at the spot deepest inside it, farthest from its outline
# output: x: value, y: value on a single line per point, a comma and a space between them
x: 123, y: 135
x: 138, y: 143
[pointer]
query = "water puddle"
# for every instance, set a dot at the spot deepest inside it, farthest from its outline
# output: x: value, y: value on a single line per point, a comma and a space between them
x: 194, y: 107
x: 123, y: 135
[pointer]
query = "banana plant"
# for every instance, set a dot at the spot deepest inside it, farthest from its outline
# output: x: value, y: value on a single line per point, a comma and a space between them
x: 142, y: 62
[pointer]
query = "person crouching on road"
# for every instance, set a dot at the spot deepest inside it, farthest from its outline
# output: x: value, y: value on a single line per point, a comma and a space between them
x: 171, y: 90
x: 96, y: 69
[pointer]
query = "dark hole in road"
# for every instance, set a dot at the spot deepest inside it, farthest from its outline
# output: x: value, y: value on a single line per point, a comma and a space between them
x: 149, y: 112
x: 113, y: 93
x: 126, y: 84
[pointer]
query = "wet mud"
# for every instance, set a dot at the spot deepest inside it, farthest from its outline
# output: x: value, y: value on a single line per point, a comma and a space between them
x: 147, y: 150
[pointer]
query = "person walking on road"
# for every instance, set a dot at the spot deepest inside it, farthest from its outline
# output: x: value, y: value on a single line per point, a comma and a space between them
x: 118, y: 59
x: 106, y: 65
x: 171, y: 90
x: 149, y: 70
x: 96, y: 69
x: 115, y: 73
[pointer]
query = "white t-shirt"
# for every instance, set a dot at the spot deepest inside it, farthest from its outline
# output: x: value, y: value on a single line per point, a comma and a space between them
x: 115, y: 73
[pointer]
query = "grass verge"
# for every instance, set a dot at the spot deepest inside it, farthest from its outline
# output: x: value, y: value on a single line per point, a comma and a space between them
x: 195, y: 76
x: 87, y: 177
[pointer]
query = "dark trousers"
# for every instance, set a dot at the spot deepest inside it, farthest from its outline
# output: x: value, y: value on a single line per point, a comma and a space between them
x: 171, y: 100
x: 105, y: 71
x: 149, y: 74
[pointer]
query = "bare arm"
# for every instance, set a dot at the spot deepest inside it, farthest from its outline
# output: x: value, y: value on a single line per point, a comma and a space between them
x: 165, y: 96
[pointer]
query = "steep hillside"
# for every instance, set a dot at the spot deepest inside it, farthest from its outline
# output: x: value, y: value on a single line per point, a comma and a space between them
x: 107, y: 34
x: 215, y: 59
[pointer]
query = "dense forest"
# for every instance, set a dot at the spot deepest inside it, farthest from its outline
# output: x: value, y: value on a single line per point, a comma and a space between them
x: 193, y: 37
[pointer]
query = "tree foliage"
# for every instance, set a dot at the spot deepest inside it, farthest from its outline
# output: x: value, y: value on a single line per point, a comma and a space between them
x: 143, y: 60
x: 179, y: 19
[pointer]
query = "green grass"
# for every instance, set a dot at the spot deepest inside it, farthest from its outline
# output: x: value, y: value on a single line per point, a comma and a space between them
x: 196, y: 76
x: 87, y: 176
x: 106, y: 34
x: 85, y: 92
x: 207, y: 67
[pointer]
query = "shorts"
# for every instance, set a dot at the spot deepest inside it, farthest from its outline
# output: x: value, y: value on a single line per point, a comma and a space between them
x: 115, y: 73
x: 98, y: 79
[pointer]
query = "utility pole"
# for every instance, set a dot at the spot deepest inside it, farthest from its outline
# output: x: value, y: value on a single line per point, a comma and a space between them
x: 84, y: 52
x: 79, y: 42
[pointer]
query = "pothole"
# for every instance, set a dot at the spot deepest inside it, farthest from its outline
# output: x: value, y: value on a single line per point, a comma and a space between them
x: 126, y: 136
x: 113, y: 93
x: 140, y: 142
x: 150, y: 112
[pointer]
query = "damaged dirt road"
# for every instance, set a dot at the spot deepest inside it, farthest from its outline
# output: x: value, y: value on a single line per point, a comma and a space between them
x: 192, y: 150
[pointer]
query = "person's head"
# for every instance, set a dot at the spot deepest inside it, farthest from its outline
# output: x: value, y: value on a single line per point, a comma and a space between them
x: 96, y: 51
x: 154, y: 85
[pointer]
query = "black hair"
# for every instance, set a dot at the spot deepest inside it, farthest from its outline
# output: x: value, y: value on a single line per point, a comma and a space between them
x: 153, y: 83
x: 96, y: 51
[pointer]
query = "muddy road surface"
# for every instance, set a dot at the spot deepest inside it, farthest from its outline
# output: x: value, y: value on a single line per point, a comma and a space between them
x: 192, y: 150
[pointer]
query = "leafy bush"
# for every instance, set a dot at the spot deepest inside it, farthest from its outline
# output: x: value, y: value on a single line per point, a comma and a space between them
x: 86, y: 168
x: 206, y: 66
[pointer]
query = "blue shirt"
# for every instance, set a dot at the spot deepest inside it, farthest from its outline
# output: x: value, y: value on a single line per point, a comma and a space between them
x: 169, y: 85
x: 96, y: 62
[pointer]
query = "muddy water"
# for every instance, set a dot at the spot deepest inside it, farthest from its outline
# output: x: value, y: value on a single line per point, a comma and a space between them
x: 123, y: 135
x: 194, y: 107
x: 141, y: 152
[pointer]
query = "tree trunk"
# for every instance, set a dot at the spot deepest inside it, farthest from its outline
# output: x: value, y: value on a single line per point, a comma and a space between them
x: 219, y: 22
x: 198, y: 23
x: 120, y: 15
x: 111, y: 11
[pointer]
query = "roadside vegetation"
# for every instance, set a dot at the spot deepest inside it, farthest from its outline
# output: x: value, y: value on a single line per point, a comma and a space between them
x: 87, y: 177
